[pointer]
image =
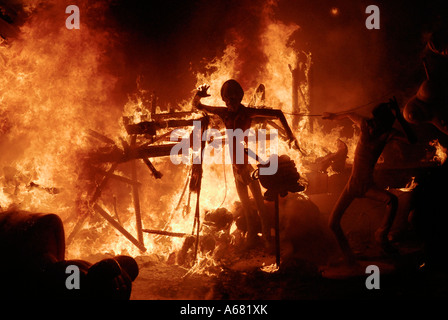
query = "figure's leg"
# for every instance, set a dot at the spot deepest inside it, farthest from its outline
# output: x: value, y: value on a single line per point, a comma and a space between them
x: 344, y: 201
x: 391, y: 200
x: 243, y: 194
x: 261, y: 207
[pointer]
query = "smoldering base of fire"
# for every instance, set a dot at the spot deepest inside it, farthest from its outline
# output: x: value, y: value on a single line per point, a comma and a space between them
x: 235, y: 147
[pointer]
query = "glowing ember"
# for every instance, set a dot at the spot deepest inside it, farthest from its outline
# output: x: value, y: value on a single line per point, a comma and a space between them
x: 440, y: 153
x: 270, y: 268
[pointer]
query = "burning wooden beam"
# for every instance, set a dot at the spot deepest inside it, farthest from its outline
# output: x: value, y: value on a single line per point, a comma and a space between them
x: 116, y: 210
x: 166, y: 233
x: 168, y: 115
x: 100, y: 136
x: 103, y: 182
x: 78, y: 226
x: 295, y: 73
x: 154, y: 151
x: 117, y: 155
x: 135, y: 196
x: 131, y: 152
x: 157, y: 174
x: 117, y: 226
x: 153, y: 104
x: 117, y: 177
x: 151, y: 127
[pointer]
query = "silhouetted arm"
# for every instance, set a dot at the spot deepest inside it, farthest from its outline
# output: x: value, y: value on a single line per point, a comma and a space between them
x: 196, y: 103
x: 354, y: 117
x: 275, y: 114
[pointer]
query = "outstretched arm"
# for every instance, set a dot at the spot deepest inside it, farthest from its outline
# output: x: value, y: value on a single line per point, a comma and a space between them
x: 354, y: 117
x: 275, y: 114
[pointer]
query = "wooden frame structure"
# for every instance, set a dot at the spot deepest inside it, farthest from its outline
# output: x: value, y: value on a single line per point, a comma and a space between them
x: 132, y: 153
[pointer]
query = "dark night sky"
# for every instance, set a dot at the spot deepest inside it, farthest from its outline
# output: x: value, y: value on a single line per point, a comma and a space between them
x: 165, y: 40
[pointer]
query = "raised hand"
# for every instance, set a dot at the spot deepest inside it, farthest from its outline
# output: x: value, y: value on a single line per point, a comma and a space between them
x: 202, y: 91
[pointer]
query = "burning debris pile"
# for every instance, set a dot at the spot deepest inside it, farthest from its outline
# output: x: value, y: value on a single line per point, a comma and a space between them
x: 90, y: 163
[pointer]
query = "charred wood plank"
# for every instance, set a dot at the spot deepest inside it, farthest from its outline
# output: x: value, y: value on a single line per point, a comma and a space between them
x: 103, y: 182
x: 151, y: 127
x: 78, y: 226
x: 117, y: 177
x: 135, y: 196
x: 157, y: 174
x: 168, y: 115
x: 116, y: 211
x: 118, y: 156
x: 162, y: 150
x: 100, y: 136
x: 117, y: 226
x: 166, y: 233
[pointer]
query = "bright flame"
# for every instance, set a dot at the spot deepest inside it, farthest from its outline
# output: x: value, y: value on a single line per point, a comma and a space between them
x: 272, y: 268
x: 440, y: 154
x: 53, y: 89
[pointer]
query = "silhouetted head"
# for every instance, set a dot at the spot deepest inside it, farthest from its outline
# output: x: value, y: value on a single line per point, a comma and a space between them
x: 232, y: 94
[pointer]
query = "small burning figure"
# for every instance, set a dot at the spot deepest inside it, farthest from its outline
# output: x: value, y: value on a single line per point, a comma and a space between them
x: 376, y: 132
x: 237, y: 116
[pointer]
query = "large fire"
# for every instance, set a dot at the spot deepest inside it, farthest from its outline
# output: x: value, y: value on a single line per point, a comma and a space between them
x: 55, y: 91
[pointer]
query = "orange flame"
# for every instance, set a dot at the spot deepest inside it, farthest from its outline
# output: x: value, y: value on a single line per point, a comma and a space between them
x: 440, y: 152
x: 53, y: 89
